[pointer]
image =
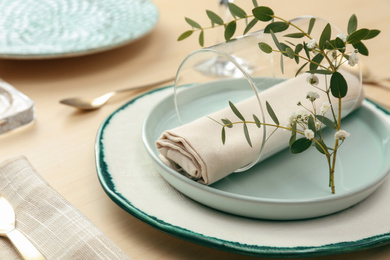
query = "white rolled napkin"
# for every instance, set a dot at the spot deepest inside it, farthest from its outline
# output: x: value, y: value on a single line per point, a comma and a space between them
x: 196, y: 150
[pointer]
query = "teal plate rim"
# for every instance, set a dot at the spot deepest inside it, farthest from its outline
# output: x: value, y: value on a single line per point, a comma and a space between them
x: 108, y: 186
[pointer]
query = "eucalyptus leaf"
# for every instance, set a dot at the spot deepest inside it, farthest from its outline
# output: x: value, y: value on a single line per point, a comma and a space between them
x: 322, y: 72
x: 276, y: 27
x: 298, y: 49
x: 246, y: 132
x: 236, y: 11
x: 255, y: 4
x: 325, y: 36
x: 185, y: 35
x: 300, y: 145
x: 361, y: 48
x: 201, y: 38
x: 338, y: 85
x: 257, y: 121
x: 300, y: 69
x: 321, y: 147
x: 223, y: 135
x: 192, y: 23
x: 235, y: 111
x: 371, y: 34
x: 352, y: 24
x: 272, y: 113
x: 281, y: 63
x: 339, y: 44
x: 326, y: 121
x: 311, y: 25
x: 250, y: 25
x: 316, y: 61
x: 290, y: 53
x: 293, y: 133
x: 265, y: 47
x: 227, y: 123
x: 263, y: 13
x: 294, y: 35
x: 306, y: 50
x: 311, y: 124
x: 230, y: 30
x: 215, y: 19
x: 276, y: 41
x: 357, y: 36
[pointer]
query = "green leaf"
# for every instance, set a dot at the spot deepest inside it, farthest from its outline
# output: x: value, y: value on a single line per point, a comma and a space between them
x: 300, y: 145
x: 371, y: 34
x: 306, y: 50
x: 265, y: 47
x: 276, y: 41
x: 235, y: 111
x: 317, y: 59
x: 301, y: 68
x: 250, y: 25
x: 223, y: 135
x: 248, y: 138
x: 298, y: 49
x: 185, y: 35
x: 290, y: 53
x: 215, y: 19
x: 230, y: 30
x: 255, y: 4
x: 339, y: 44
x: 276, y: 27
x: 294, y: 35
x: 281, y: 63
x: 284, y: 48
x: 293, y: 133
x: 263, y: 13
x: 201, y: 38
x: 361, y: 48
x: 227, y: 123
x: 236, y: 11
x: 321, y: 148
x: 322, y: 72
x: 311, y: 124
x: 311, y: 25
x: 352, y: 24
x: 257, y: 121
x: 192, y: 23
x: 272, y: 113
x: 338, y: 85
x: 325, y: 36
x: 326, y: 121
x: 357, y: 36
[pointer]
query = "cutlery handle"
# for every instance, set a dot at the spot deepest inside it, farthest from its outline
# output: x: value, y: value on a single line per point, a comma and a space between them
x: 24, y: 246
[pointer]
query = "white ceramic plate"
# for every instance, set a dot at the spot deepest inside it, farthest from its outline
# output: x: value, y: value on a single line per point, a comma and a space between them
x: 128, y: 175
x: 32, y: 29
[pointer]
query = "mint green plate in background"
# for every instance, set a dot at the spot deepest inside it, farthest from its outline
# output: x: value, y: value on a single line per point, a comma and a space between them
x: 128, y: 175
x: 32, y: 29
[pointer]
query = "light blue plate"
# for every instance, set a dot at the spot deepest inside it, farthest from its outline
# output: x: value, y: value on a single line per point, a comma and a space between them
x: 287, y: 185
x: 33, y: 29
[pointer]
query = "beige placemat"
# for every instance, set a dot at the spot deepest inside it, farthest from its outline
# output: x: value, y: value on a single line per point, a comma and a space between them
x: 52, y: 224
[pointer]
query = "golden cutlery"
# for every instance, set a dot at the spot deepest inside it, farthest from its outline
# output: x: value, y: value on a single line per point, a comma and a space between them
x: 7, y: 229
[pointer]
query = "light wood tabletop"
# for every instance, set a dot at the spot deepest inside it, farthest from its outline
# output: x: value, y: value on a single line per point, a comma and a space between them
x: 60, y: 143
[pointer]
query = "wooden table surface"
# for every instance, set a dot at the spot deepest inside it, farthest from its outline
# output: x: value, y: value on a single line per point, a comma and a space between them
x: 60, y: 143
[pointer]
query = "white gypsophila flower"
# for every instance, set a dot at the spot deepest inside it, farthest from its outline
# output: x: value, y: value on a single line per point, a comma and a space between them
x: 313, y: 80
x: 291, y: 119
x: 309, y: 134
x: 342, y: 36
x: 312, y: 44
x: 341, y: 135
x: 324, y: 107
x: 353, y: 58
x: 302, y: 116
x: 318, y: 124
x: 312, y: 96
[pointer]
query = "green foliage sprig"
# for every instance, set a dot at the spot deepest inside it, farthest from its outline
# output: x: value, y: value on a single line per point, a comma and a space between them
x: 320, y: 58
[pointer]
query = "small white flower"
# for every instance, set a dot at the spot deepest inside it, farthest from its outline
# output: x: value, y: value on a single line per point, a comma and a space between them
x: 312, y: 80
x: 325, y: 106
x: 292, y: 118
x: 342, y: 36
x: 341, y: 135
x: 312, y: 96
x: 302, y: 116
x: 353, y: 58
x: 312, y: 44
x: 318, y: 124
x: 309, y: 134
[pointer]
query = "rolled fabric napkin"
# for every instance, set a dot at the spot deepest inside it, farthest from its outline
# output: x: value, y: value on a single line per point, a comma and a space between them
x: 196, y: 150
x: 52, y: 224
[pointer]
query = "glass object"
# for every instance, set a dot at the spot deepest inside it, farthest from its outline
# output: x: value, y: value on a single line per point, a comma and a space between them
x: 16, y: 109
x: 246, y: 66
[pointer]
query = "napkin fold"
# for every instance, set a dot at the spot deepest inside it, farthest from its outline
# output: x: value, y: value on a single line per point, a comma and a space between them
x: 52, y: 224
x: 196, y: 150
